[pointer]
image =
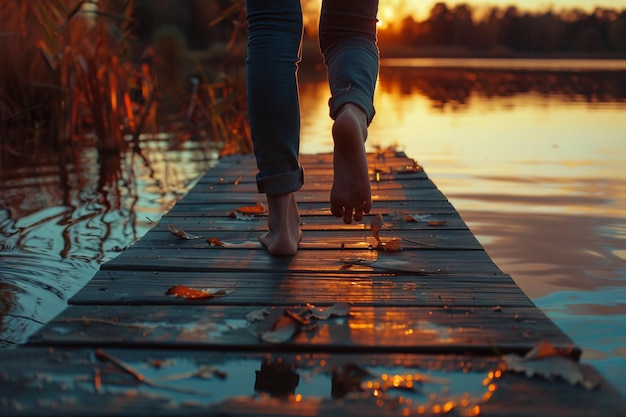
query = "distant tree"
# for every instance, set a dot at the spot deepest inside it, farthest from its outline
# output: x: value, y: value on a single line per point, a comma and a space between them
x: 617, y: 33
x: 462, y: 25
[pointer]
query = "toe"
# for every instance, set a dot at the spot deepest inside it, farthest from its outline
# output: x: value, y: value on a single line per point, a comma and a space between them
x: 358, y: 213
x: 336, y: 211
x: 347, y: 217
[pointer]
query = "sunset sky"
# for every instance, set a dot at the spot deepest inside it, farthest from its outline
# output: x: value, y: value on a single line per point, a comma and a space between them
x: 420, y: 8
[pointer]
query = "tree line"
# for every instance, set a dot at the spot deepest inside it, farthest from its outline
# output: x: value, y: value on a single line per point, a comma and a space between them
x: 509, y: 29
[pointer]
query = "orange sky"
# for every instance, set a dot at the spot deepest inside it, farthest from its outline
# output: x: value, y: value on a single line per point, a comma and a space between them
x: 420, y: 8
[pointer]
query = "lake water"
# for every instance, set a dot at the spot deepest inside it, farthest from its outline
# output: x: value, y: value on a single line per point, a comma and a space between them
x: 533, y: 157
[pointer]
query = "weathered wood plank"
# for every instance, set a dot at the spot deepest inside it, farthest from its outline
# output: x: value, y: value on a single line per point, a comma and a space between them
x: 314, y: 239
x: 89, y: 383
x: 308, y: 208
x: 310, y: 185
x: 217, y: 196
x: 482, y: 331
x: 421, y: 262
x: 318, y: 223
x: 270, y: 289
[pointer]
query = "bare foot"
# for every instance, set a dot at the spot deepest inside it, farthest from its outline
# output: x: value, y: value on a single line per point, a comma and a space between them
x: 351, y: 194
x: 284, y: 225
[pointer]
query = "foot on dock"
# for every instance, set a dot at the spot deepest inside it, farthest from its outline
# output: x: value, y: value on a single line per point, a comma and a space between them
x: 284, y: 225
x: 351, y: 193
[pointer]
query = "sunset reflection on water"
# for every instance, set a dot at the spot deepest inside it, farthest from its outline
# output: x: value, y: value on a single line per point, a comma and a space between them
x: 535, y: 163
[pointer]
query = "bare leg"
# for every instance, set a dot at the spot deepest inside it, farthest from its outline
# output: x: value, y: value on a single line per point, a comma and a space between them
x: 284, y: 225
x: 351, y: 194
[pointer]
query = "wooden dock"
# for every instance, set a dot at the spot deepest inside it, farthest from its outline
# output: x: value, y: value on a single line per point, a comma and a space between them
x: 197, y: 319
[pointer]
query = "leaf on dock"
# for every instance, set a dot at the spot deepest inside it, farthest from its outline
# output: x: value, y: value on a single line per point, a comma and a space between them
x: 392, y: 245
x: 295, y: 320
x: 248, y: 212
x: 257, y: 315
x: 437, y: 223
x: 283, y: 329
x: 412, y: 217
x: 213, y: 241
x: 549, y: 362
x: 376, y: 224
x: 181, y: 233
x: 196, y: 294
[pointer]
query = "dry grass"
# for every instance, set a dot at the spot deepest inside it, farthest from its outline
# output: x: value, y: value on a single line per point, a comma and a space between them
x: 70, y: 77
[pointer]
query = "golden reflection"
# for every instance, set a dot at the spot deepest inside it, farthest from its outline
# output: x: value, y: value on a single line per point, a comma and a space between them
x: 519, y: 165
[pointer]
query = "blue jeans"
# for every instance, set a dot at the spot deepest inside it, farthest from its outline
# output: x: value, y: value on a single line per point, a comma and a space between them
x: 347, y: 38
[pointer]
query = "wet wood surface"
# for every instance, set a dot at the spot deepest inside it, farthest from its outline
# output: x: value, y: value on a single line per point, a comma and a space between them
x: 348, y: 326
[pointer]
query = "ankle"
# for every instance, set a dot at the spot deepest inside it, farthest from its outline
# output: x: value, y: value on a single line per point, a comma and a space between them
x: 350, y: 127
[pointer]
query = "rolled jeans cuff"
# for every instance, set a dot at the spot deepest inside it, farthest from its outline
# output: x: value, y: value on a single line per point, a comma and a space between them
x: 286, y: 183
x: 352, y: 96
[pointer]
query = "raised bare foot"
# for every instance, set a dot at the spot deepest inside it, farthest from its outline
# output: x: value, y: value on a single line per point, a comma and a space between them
x: 351, y: 194
x: 284, y: 225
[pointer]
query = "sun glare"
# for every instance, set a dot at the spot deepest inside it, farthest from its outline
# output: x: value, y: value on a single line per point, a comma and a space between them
x: 388, y: 13
x: 395, y: 10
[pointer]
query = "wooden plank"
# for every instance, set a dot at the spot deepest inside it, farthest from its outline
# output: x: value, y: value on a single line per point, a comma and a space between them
x: 420, y: 262
x: 311, y: 184
x: 89, y: 383
x: 217, y: 196
x: 200, y: 223
x: 270, y: 289
x: 212, y: 208
x: 481, y: 331
x: 314, y: 239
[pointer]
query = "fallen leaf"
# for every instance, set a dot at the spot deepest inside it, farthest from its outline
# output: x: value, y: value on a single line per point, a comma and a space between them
x: 549, y: 362
x: 283, y: 329
x: 247, y: 211
x: 195, y: 293
x: 392, y: 245
x: 213, y: 241
x: 411, y: 217
x: 240, y: 216
x: 257, y: 315
x: 437, y: 223
x: 550, y: 368
x: 546, y: 349
x: 181, y: 233
x: 376, y: 224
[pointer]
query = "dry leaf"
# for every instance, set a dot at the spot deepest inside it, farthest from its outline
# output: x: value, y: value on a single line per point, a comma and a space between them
x: 393, y: 245
x: 550, y: 368
x: 412, y: 217
x: 549, y: 362
x: 239, y: 216
x: 195, y: 294
x: 213, y: 241
x: 181, y: 233
x: 546, y: 349
x: 257, y: 315
x: 259, y: 208
x: 376, y: 224
x: 283, y: 329
x: 437, y: 223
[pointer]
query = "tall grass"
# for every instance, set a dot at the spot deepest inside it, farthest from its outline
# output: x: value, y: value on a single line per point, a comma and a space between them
x: 67, y: 75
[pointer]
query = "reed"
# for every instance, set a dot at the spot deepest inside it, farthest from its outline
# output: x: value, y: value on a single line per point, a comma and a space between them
x: 71, y: 78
